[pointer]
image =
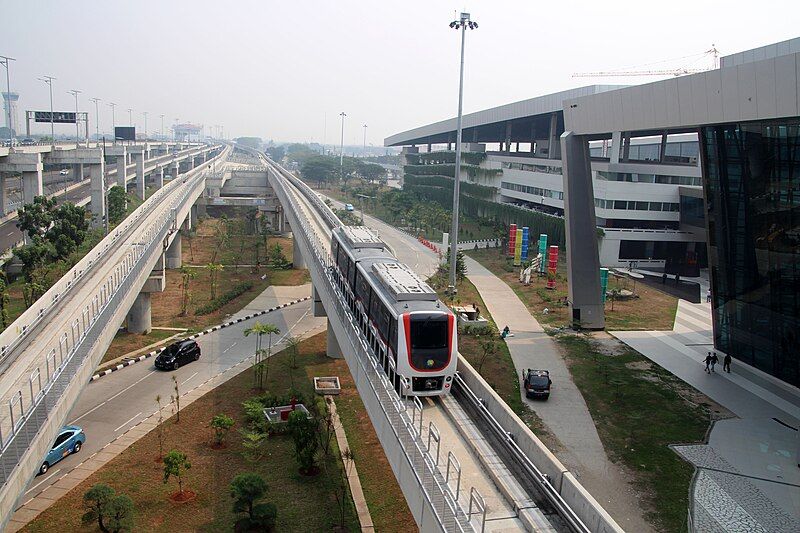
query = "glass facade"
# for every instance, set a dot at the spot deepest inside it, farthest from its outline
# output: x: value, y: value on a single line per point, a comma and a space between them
x: 753, y: 210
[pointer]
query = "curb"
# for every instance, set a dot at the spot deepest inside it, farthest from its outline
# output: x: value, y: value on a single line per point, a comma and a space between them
x: 196, y: 335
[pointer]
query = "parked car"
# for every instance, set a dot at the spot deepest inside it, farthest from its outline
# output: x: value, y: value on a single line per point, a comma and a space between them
x: 178, y: 354
x: 64, y: 172
x: 349, y: 207
x: 537, y: 384
x: 69, y: 440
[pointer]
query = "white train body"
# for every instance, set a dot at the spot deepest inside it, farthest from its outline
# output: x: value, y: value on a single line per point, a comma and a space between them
x: 413, y: 334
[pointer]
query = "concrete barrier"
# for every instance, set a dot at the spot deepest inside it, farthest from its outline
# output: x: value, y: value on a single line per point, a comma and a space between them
x: 578, y: 498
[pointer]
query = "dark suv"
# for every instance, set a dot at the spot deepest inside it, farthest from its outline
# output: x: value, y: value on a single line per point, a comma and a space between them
x: 177, y: 354
x: 537, y: 384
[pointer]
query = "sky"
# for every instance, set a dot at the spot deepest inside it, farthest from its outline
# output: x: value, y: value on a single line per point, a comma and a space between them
x: 286, y: 70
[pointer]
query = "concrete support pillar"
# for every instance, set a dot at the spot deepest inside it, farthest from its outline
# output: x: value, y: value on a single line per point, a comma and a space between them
x: 139, y: 316
x: 122, y: 170
x: 173, y: 254
x: 552, y: 145
x: 616, y: 144
x: 449, y: 147
x: 190, y: 161
x: 583, y: 262
x: 626, y: 146
x: 98, y: 188
x: 159, y: 177
x: 2, y: 196
x: 193, y: 215
x: 508, y: 137
x: 333, y: 349
x: 298, y: 261
x: 319, y: 309
x: 663, y: 152
x: 138, y: 159
x: 201, y: 210
x: 31, y: 185
x: 176, y: 169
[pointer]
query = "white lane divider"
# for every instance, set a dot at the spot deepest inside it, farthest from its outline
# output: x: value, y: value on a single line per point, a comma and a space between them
x: 228, y: 348
x: 187, y: 379
x: 45, y: 479
x: 131, y: 419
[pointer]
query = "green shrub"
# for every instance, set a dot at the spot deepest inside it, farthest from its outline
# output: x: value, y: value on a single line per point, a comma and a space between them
x: 216, y: 303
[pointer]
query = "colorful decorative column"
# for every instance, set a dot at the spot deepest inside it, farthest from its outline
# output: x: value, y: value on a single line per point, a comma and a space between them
x: 518, y: 248
x: 525, y: 243
x: 552, y: 266
x: 543, y: 251
x: 512, y: 239
x: 603, y: 284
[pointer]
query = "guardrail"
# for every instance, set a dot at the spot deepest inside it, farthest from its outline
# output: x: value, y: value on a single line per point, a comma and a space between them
x: 66, y: 352
x: 405, y: 421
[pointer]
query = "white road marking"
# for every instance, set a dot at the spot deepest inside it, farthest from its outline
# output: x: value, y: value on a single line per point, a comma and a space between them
x: 117, y: 394
x: 187, y: 379
x: 129, y: 421
x: 228, y: 348
x: 45, y: 479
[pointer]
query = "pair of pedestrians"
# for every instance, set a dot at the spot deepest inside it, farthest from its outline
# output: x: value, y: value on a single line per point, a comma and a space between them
x: 712, y: 360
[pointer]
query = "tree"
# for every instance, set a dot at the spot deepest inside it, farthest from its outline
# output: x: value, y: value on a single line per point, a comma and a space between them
x: 461, y: 265
x: 221, y: 423
x: 177, y: 399
x: 277, y: 259
x: 160, y: 428
x: 187, y: 275
x: 259, y: 330
x: 175, y: 465
x: 213, y: 271
x: 276, y: 152
x: 371, y: 172
x: 293, y: 349
x: 68, y: 229
x: 112, y: 512
x: 117, y: 200
x: 35, y: 218
x: 246, y: 490
x: 250, y: 142
x: 303, y: 431
x: 4, y: 301
x: 488, y: 349
x: 318, y: 168
x: 253, y: 442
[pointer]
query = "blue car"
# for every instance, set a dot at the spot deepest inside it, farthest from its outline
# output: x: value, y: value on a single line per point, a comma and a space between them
x: 69, y: 440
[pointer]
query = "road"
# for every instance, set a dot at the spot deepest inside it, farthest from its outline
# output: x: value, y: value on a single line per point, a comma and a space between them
x: 112, y: 404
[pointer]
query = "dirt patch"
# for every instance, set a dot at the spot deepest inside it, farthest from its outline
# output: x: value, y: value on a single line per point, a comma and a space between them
x: 183, y: 496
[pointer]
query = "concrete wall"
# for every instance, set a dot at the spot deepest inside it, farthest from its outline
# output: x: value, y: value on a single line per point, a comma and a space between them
x: 583, y: 503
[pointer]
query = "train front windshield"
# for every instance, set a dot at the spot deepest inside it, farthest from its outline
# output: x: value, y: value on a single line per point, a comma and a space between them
x: 429, y: 342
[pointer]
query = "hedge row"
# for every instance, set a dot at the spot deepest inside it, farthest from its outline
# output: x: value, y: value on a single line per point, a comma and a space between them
x: 470, y: 158
x: 216, y: 303
x: 470, y: 189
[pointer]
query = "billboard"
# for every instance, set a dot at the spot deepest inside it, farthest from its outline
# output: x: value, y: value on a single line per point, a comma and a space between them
x: 125, y: 133
x: 59, y: 117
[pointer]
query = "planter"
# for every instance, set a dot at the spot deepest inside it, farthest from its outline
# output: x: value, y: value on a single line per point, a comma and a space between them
x: 327, y: 385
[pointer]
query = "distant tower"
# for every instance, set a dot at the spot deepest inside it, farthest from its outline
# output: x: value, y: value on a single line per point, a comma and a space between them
x: 10, y: 99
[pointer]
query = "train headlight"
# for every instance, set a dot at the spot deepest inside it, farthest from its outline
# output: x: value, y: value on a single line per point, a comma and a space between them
x: 449, y: 378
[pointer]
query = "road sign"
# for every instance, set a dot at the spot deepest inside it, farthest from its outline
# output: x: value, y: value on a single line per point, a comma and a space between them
x: 59, y: 117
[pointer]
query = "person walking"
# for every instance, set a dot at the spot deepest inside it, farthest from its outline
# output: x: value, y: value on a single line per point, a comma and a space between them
x: 726, y: 363
x: 708, y: 295
x: 714, y: 361
x: 708, y: 363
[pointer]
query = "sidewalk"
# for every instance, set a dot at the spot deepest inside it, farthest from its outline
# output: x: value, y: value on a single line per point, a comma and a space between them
x: 748, y: 479
x: 565, y: 413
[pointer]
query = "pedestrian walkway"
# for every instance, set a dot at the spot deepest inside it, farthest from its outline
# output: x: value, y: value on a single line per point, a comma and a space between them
x: 565, y: 414
x: 272, y: 296
x: 748, y: 479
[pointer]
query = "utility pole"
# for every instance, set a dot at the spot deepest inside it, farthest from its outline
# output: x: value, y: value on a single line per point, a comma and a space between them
x: 75, y: 93
x: 145, y: 124
x: 463, y: 23
x: 6, y: 61
x: 112, y: 105
x: 341, y: 148
x: 162, y: 126
x: 364, y: 149
x: 97, y: 120
x: 49, y: 81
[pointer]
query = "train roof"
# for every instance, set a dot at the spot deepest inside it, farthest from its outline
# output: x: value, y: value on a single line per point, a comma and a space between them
x: 402, y: 282
x: 361, y: 237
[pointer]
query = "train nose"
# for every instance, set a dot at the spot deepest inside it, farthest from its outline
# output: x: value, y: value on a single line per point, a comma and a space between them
x: 431, y: 384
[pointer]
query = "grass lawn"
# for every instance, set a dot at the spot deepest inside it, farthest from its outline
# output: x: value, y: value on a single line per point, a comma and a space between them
x: 652, y: 310
x: 639, y: 409
x: 385, y: 500
x: 125, y: 342
x: 304, y: 503
x: 497, y: 370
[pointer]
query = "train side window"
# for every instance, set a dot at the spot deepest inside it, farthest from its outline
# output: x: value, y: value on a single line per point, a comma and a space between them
x: 363, y: 290
x: 342, y: 260
x: 385, y: 321
x: 375, y: 311
x: 393, y: 333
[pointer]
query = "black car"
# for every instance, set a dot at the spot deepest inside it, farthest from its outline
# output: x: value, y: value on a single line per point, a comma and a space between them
x: 537, y: 383
x: 177, y: 354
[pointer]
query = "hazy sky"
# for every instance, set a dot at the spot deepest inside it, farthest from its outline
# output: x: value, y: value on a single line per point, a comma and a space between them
x: 281, y: 70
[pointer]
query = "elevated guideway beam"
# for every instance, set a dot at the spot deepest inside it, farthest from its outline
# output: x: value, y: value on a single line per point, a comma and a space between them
x: 48, y: 354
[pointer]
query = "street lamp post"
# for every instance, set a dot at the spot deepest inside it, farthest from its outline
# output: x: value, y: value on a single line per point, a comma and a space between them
x: 162, y: 126
x: 341, y: 148
x: 96, y: 120
x: 364, y: 149
x: 112, y: 105
x: 6, y: 61
x: 75, y: 93
x: 145, y: 124
x: 49, y: 81
x: 462, y: 24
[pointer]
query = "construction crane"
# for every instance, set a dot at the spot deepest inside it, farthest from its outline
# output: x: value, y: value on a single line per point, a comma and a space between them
x: 681, y: 71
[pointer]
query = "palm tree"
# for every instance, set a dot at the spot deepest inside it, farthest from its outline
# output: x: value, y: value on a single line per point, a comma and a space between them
x: 187, y: 274
x: 260, y: 329
x: 213, y: 271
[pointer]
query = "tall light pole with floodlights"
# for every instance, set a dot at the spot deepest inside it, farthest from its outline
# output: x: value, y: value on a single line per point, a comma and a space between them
x: 96, y: 120
x: 112, y: 105
x: 75, y: 93
x: 49, y: 81
x: 341, y: 148
x: 6, y: 62
x: 162, y: 126
x: 145, y: 124
x: 364, y: 149
x: 462, y: 24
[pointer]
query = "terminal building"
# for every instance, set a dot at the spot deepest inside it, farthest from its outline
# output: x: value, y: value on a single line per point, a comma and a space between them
x: 695, y: 171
